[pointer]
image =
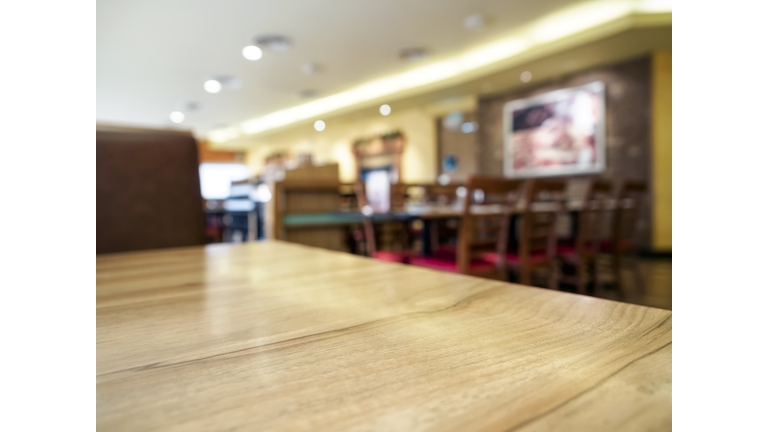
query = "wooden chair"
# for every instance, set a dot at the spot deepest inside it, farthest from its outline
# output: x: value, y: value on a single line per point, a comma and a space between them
x: 581, y: 251
x: 540, y: 204
x: 480, y: 231
x: 629, y: 200
x: 395, y: 233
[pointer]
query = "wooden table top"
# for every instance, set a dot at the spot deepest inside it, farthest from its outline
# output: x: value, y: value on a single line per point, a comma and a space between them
x: 276, y: 336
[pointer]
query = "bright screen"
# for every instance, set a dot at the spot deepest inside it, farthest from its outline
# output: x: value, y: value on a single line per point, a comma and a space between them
x: 377, y: 190
x: 216, y: 178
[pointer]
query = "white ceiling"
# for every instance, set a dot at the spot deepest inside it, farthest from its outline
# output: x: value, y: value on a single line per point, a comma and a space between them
x: 153, y: 54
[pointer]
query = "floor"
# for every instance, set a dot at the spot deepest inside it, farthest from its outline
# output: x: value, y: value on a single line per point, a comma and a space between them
x: 657, y: 276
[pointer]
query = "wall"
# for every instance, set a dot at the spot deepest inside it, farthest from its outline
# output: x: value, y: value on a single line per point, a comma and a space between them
x: 628, y: 124
x: 462, y: 145
x: 661, y: 81
x: 334, y: 144
x: 206, y: 155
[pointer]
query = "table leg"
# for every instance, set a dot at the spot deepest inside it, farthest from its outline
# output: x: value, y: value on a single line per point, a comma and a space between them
x: 426, y: 238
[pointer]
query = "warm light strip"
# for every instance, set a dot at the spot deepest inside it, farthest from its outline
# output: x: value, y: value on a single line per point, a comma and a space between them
x: 554, y: 27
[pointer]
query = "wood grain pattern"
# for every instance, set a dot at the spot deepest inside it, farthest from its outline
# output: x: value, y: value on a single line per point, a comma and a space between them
x: 276, y: 336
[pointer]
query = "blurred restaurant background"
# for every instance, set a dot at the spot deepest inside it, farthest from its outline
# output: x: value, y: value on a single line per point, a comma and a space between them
x: 421, y: 132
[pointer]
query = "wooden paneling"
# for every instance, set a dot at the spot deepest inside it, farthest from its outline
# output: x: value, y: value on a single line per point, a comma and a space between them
x: 147, y: 190
x: 207, y: 155
x: 628, y: 124
x: 276, y: 336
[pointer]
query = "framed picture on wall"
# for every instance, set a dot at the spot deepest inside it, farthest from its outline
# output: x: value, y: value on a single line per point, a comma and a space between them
x: 556, y: 133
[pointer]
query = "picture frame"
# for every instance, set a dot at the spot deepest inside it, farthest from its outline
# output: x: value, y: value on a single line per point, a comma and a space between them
x: 557, y: 133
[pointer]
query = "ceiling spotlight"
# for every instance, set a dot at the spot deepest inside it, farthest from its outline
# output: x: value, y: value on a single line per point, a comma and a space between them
x: 274, y: 43
x: 526, y: 76
x: 385, y: 109
x: 177, y: 116
x: 252, y: 52
x: 212, y: 86
x: 319, y: 125
x: 474, y: 22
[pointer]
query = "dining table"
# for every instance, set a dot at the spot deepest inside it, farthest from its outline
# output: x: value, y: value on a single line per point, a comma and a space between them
x: 274, y: 336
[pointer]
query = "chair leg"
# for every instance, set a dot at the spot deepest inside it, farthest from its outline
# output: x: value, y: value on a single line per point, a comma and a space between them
x: 553, y: 275
x: 525, y: 276
x: 616, y: 258
x: 599, y: 288
x: 581, y: 276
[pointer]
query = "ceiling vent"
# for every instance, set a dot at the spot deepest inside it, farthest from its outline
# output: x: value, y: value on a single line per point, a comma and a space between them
x: 273, y: 43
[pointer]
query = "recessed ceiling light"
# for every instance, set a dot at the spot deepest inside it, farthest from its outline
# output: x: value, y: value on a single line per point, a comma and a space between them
x: 411, y: 54
x: 557, y: 26
x: 274, y: 43
x: 385, y: 109
x: 252, y: 52
x: 215, y: 83
x: 212, y: 86
x: 475, y: 22
x: 526, y: 76
x: 177, y: 116
x: 230, y: 82
x: 319, y: 125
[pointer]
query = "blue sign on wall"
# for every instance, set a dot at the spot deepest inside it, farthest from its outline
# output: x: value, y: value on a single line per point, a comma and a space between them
x: 450, y: 161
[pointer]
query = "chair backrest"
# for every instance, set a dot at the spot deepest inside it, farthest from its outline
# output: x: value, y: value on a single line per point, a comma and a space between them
x: 630, y: 197
x: 362, y: 202
x: 147, y: 190
x: 542, y: 202
x: 593, y: 214
x: 394, y: 231
x: 487, y: 205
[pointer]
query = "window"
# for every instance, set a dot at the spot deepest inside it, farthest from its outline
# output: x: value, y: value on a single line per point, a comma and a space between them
x: 216, y: 178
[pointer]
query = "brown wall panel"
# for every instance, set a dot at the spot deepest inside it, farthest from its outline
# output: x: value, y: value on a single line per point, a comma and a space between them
x: 147, y: 191
x: 628, y: 124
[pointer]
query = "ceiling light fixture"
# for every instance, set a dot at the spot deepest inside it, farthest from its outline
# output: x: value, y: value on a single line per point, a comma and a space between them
x: 252, y: 52
x: 177, y: 116
x: 319, y: 125
x: 274, y: 43
x: 385, y: 110
x: 212, y: 86
x: 467, y: 64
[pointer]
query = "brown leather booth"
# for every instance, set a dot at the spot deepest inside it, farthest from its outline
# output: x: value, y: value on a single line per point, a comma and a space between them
x: 147, y: 190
